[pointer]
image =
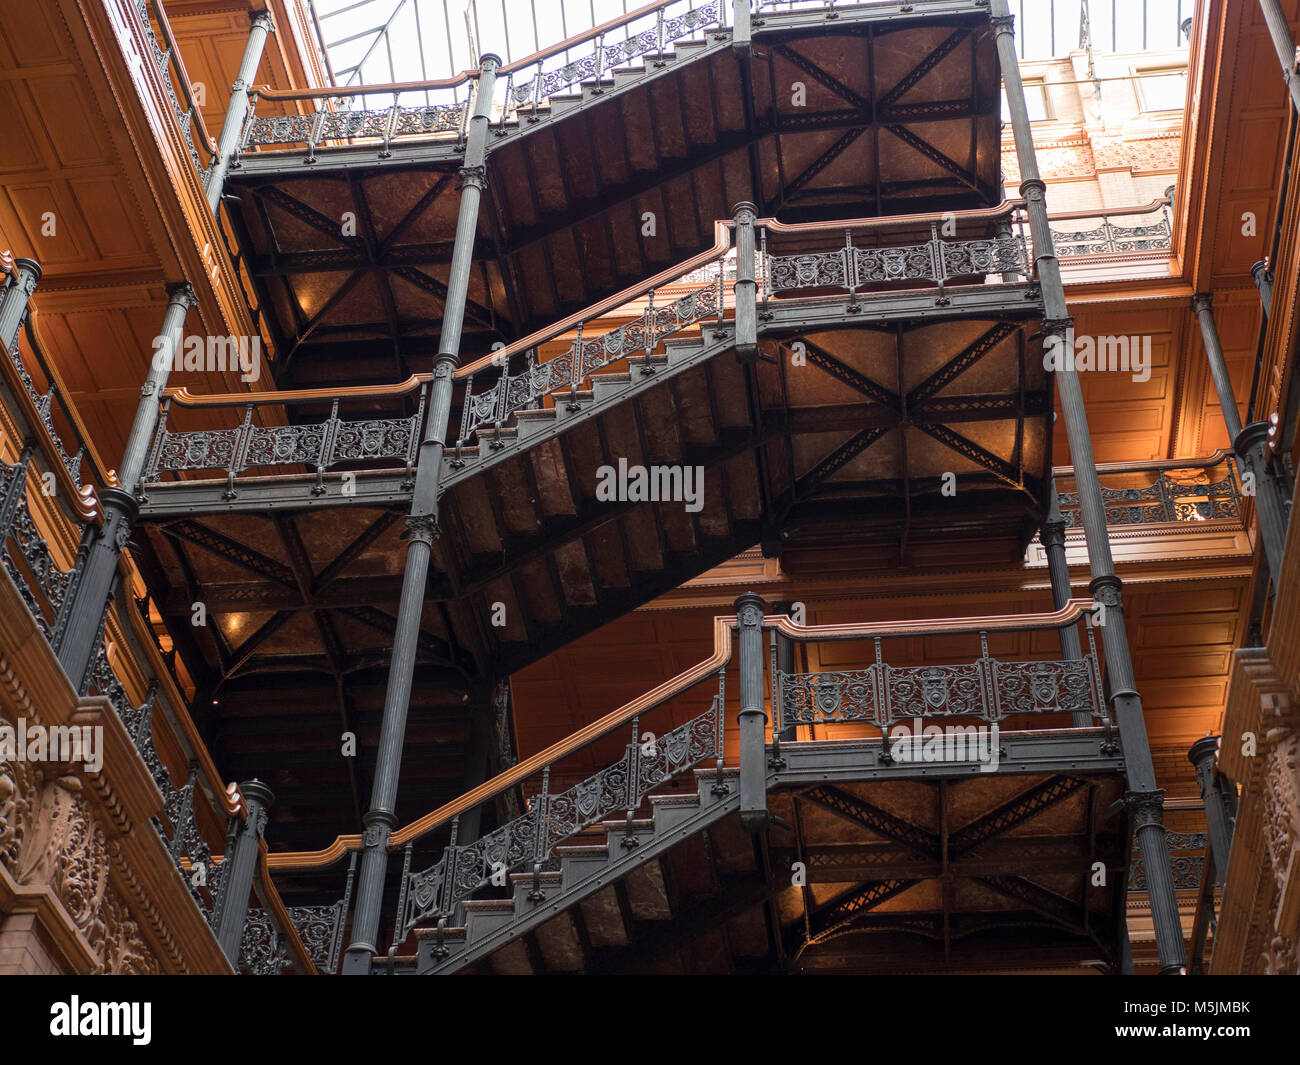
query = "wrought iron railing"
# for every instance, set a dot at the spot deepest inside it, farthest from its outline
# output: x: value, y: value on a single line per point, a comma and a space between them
x: 986, y: 689
x: 1102, y: 235
x: 1182, y: 490
x: 330, y: 443
x: 442, y: 108
x: 166, y: 59
x: 1187, y: 859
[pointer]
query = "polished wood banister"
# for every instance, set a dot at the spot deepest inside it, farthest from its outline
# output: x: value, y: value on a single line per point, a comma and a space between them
x: 721, y: 244
x: 684, y: 681
x: 1142, y: 466
x: 892, y: 221
x: 184, y: 398
x: 173, y: 49
x: 584, y: 36
x: 1074, y: 610
x: 1106, y: 212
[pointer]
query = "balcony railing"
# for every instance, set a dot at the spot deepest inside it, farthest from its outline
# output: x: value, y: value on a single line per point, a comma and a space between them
x: 1179, y: 490
x: 378, y: 115
x: 1122, y: 231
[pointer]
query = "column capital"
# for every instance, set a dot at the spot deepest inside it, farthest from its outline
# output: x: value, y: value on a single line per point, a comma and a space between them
x: 1203, y: 751
x: 1106, y: 589
x: 182, y: 293
x: 1033, y: 189
x: 1057, y: 326
x: 422, y: 528
x: 262, y: 20
x: 1003, y: 25
x: 1261, y: 270
x: 1148, y: 807
x: 1202, y: 301
x: 744, y: 212
x: 1053, y: 533
x: 750, y: 608
x: 472, y: 177
x: 1252, y: 435
x: 489, y: 61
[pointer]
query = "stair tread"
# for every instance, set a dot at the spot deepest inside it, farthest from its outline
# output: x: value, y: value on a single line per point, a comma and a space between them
x: 489, y: 906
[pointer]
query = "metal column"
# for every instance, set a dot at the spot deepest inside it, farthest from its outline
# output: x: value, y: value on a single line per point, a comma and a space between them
x: 1144, y: 797
x: 87, y: 598
x: 421, y: 529
x: 232, y: 126
x: 88, y: 595
x: 238, y: 868
x: 1053, y: 537
x: 1280, y: 30
x: 1249, y: 443
x: 752, y: 718
x: 1218, y: 819
x: 1264, y: 282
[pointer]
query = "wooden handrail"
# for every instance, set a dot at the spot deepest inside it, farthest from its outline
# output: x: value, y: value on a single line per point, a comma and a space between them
x: 722, y: 628
x: 1105, y: 212
x: 503, y: 781
x: 175, y: 52
x: 1139, y: 466
x: 184, y: 398
x: 267, y: 93
x: 892, y: 221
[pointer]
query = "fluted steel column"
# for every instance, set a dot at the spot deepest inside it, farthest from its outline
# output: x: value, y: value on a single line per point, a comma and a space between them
x: 232, y: 126
x: 421, y: 530
x: 1280, y: 30
x: 753, y: 717
x: 1250, y: 443
x: 1217, y: 822
x: 1058, y: 570
x: 87, y: 597
x: 238, y: 868
x: 746, y: 288
x: 1144, y: 797
x: 1263, y: 277
x: 785, y: 663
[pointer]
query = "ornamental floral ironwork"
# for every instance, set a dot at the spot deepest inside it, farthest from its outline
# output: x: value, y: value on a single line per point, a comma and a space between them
x: 640, y: 337
x: 987, y: 689
x: 534, y: 87
x: 1187, y: 860
x: 1111, y: 239
x: 316, y: 445
x: 531, y: 838
x: 1165, y: 500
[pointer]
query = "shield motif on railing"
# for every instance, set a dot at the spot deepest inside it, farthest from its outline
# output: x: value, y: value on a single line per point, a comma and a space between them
x: 934, y: 689
x: 1043, y: 687
x: 587, y: 798
x: 826, y: 697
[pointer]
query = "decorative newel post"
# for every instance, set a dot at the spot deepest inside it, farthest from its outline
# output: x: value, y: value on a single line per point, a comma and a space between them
x: 421, y: 531
x: 232, y: 125
x: 1218, y: 816
x: 1144, y: 798
x: 13, y: 305
x: 239, y: 867
x: 86, y: 600
x: 746, y: 289
x: 753, y: 717
x: 1250, y: 443
x: 1264, y: 282
x: 1053, y: 537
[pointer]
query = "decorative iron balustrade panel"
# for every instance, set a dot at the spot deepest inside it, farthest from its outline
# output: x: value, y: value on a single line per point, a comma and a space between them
x: 528, y: 388
x: 44, y: 404
x: 531, y: 838
x: 1164, y: 500
x: 263, y: 951
x: 268, y: 130
x: 319, y: 445
x: 1188, y: 869
x: 544, y: 84
x: 320, y: 928
x: 809, y: 698
x: 48, y: 581
x: 1110, y: 239
x: 162, y: 61
x: 987, y: 689
x: 937, y: 260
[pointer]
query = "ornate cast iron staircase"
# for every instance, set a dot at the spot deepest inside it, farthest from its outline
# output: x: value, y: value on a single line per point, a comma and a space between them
x: 945, y: 863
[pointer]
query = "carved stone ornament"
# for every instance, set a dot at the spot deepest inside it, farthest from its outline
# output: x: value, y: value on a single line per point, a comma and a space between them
x: 1282, y: 803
